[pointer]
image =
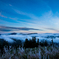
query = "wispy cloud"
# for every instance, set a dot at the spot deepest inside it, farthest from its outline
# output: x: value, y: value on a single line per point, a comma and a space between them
x: 3, y: 15
x: 10, y: 5
x: 32, y: 16
x: 7, y: 17
x: 52, y: 29
x: 13, y: 18
x: 5, y: 28
x: 48, y: 19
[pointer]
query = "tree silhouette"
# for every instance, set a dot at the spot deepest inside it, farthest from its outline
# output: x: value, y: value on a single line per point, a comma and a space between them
x: 31, y: 43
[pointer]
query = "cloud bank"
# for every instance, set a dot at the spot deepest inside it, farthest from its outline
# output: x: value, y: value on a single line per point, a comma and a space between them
x: 7, y: 29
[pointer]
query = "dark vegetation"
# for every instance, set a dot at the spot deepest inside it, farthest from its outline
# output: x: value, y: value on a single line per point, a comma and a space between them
x: 16, y: 43
x: 2, y: 44
x: 31, y: 43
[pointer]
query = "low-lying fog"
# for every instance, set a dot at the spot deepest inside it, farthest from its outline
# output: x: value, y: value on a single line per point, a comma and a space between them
x: 20, y: 36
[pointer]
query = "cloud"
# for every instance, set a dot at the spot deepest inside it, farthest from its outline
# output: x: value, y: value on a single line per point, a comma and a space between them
x: 52, y: 29
x: 48, y: 19
x: 6, y: 29
x: 41, y: 20
x: 10, y: 5
x: 13, y: 18
x: 32, y: 16
x: 8, y: 17
x: 3, y: 16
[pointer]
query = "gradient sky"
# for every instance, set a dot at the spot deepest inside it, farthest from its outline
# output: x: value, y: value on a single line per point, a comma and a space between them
x: 33, y: 16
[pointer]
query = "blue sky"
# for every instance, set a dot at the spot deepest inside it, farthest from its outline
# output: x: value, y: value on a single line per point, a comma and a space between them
x: 36, y: 16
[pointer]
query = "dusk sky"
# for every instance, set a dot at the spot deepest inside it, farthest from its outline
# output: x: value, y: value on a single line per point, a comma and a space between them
x: 29, y: 16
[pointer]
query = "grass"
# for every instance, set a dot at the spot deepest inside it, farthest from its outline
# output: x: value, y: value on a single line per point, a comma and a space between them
x: 32, y: 53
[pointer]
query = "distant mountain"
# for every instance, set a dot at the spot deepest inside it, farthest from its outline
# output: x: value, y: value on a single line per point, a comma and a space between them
x: 31, y: 33
x: 22, y: 33
x: 12, y: 33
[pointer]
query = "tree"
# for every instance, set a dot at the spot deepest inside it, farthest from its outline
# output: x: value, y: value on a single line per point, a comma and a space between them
x: 52, y: 42
x: 26, y: 43
x: 31, y: 43
x: 37, y: 42
x: 46, y: 44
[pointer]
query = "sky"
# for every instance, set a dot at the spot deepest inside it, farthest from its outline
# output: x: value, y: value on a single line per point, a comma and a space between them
x: 29, y: 16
